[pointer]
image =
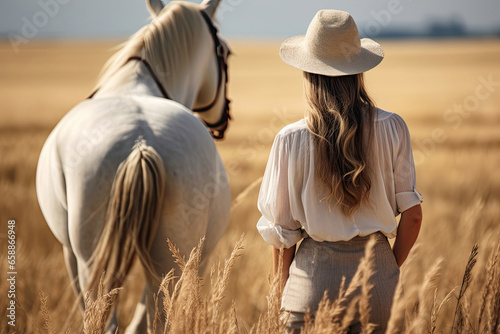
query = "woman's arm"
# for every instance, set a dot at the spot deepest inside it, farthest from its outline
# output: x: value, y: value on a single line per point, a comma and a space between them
x: 288, y: 255
x: 408, y: 229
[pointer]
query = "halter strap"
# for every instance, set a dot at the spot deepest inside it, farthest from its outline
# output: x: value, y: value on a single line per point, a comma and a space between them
x: 151, y: 72
x: 153, y: 75
x: 221, y: 63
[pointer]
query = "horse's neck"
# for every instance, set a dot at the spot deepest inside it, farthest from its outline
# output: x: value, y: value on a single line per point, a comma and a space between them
x: 134, y: 78
x: 131, y: 79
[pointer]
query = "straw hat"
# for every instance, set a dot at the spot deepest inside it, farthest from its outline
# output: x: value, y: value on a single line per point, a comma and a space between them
x: 332, y: 47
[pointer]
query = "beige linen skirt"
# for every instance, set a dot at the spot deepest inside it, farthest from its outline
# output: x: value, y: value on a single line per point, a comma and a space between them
x: 320, y: 266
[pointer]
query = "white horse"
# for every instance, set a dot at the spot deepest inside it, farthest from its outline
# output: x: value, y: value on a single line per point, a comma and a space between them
x: 133, y: 165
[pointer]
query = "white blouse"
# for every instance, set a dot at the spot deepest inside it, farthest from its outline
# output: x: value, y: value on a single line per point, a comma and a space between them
x: 290, y: 199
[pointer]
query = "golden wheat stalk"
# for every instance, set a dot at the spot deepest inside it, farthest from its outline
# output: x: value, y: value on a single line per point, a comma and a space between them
x: 422, y: 307
x: 336, y: 316
x: 221, y: 280
x: 322, y: 318
x: 493, y: 325
x: 488, y: 284
x: 436, y: 309
x: 459, y: 320
x: 272, y: 320
x: 186, y: 309
x: 396, y: 320
x: 44, y: 309
x: 97, y: 311
x: 364, y: 302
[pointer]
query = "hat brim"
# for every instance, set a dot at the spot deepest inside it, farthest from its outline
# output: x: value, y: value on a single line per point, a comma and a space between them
x: 294, y: 52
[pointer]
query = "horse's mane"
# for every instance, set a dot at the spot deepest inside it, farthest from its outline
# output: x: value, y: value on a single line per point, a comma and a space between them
x: 165, y: 43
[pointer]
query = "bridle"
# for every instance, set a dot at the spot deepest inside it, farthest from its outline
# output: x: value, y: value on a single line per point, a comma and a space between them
x: 218, y: 128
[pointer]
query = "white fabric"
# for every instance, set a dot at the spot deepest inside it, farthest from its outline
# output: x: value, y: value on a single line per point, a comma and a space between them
x: 290, y: 199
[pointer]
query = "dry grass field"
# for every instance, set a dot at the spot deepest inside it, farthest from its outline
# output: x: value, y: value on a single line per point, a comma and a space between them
x: 447, y: 91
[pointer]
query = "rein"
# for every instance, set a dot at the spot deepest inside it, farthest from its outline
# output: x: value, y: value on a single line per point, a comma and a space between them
x: 218, y: 128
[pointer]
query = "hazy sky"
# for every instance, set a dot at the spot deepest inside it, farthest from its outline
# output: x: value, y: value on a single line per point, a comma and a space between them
x: 249, y: 18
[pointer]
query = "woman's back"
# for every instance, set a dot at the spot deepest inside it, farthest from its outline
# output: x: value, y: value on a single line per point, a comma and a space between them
x: 392, y: 186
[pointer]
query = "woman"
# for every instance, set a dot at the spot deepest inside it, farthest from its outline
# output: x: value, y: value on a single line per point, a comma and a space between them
x: 338, y: 177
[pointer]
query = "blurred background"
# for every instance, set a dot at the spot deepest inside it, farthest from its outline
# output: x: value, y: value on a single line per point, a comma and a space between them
x: 258, y: 18
x: 441, y: 73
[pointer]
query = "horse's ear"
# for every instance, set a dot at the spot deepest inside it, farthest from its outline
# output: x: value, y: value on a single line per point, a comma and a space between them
x: 210, y: 6
x: 154, y: 7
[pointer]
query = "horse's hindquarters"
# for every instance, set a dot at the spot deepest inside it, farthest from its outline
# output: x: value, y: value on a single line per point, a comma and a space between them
x: 80, y: 160
x: 51, y: 190
x: 95, y: 137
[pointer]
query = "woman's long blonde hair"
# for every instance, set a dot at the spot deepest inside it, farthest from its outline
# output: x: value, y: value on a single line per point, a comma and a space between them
x: 340, y: 118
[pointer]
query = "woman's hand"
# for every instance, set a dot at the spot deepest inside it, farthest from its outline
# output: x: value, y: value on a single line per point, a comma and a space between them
x: 288, y: 255
x: 408, y: 229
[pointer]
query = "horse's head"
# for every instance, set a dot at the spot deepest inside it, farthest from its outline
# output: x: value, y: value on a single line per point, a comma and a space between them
x: 206, y: 59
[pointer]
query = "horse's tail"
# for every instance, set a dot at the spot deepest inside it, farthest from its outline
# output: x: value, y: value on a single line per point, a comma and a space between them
x: 131, y: 221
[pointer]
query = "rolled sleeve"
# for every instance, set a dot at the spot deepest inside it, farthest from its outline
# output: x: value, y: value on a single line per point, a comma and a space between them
x: 408, y: 199
x: 407, y: 195
x: 277, y: 225
x: 277, y: 235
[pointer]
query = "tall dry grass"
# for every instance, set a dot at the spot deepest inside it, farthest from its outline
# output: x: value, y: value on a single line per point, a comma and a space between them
x: 420, y: 80
x: 186, y: 309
